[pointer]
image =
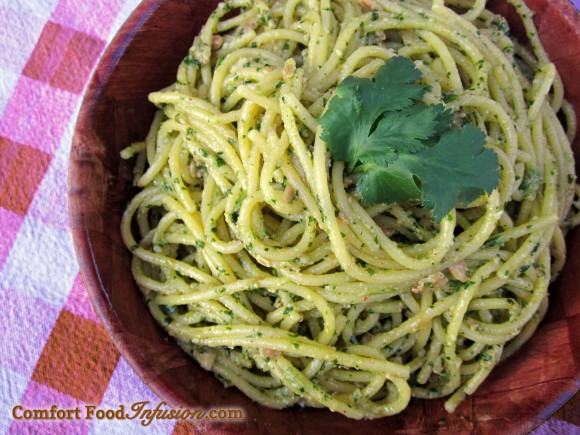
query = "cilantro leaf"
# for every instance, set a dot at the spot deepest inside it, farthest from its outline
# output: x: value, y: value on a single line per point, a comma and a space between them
x: 405, y: 149
x: 344, y: 111
x: 403, y: 131
x: 393, y: 183
x: 391, y: 89
x: 358, y: 104
x: 455, y: 170
x: 443, y: 119
x: 462, y: 164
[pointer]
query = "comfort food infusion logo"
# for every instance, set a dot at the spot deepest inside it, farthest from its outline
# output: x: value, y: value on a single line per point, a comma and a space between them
x: 137, y: 411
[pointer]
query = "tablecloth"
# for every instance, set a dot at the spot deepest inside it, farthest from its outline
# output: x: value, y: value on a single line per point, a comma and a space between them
x: 54, y: 351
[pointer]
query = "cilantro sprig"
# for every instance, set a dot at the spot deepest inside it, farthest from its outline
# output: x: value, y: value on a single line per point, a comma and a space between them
x: 405, y: 149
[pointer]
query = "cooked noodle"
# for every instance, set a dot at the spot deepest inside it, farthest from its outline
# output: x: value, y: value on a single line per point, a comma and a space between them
x: 254, y: 251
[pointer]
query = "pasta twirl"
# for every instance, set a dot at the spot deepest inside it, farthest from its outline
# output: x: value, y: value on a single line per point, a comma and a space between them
x: 254, y: 251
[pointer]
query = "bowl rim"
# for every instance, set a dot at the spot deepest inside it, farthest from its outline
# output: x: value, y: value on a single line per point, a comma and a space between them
x: 95, y: 287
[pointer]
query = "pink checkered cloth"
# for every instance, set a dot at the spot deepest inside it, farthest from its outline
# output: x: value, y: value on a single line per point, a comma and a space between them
x: 53, y: 349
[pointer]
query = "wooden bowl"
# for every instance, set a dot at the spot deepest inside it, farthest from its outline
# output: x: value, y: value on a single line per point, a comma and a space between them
x: 143, y: 57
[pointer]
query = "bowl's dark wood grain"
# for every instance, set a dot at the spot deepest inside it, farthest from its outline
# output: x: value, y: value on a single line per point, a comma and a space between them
x: 144, y: 57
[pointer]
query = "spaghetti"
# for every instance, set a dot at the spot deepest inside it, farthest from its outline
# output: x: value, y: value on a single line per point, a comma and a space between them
x: 253, y: 250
